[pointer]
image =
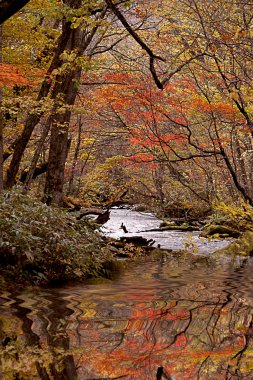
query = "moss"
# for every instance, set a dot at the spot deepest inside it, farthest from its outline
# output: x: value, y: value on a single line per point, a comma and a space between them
x: 168, y: 225
x: 178, y: 228
x: 219, y: 230
x: 242, y: 246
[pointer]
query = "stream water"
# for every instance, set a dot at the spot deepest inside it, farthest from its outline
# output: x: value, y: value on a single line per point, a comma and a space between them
x: 180, y: 317
x: 141, y: 224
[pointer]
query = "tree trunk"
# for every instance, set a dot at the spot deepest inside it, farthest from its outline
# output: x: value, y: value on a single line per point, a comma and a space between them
x: 233, y: 174
x: 77, y: 148
x: 66, y: 89
x: 57, y: 157
x: 240, y: 167
x: 33, y: 119
x: 59, y: 135
x: 30, y: 174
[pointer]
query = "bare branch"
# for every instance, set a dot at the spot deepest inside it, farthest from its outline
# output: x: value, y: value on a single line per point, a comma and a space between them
x: 139, y: 40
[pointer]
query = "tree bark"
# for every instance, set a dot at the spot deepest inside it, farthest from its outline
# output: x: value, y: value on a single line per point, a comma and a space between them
x: 33, y: 119
x: 66, y: 89
x: 40, y: 169
x: 233, y: 174
x: 38, y: 150
x: 77, y: 148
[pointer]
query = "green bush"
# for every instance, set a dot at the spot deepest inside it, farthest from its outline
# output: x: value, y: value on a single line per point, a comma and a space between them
x: 41, y: 244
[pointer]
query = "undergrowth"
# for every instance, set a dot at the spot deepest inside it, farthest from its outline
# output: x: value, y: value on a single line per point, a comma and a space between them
x: 42, y: 244
x: 238, y: 216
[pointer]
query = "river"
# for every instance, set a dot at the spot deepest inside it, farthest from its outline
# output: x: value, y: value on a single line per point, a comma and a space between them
x: 141, y: 224
x: 180, y: 317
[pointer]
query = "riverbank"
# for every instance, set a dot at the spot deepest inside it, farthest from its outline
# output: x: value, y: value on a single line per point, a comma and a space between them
x: 43, y: 245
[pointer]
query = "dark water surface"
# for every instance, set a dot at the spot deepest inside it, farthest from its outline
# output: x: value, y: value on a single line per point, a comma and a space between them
x: 190, y: 314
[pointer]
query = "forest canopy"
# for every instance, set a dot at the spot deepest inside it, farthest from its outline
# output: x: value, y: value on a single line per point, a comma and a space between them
x: 101, y: 98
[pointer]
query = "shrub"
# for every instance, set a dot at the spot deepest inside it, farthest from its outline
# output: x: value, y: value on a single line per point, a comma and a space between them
x: 41, y: 244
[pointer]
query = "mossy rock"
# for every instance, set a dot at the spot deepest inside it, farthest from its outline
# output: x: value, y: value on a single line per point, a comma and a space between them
x: 166, y: 223
x: 242, y: 246
x: 220, y: 230
x: 178, y: 228
x: 172, y: 226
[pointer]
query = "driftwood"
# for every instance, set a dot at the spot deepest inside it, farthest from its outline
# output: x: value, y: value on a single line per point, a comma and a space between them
x: 72, y: 204
x: 103, y: 215
x: 123, y: 227
x: 137, y: 240
x: 76, y: 204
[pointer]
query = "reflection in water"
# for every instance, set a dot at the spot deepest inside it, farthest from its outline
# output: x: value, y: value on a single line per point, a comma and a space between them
x: 191, y: 316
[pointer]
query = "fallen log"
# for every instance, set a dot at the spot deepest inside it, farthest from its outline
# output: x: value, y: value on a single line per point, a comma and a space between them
x: 137, y: 240
x: 103, y: 215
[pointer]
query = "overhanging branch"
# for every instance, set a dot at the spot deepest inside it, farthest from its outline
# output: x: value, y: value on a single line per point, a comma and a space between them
x: 152, y: 56
x: 139, y: 40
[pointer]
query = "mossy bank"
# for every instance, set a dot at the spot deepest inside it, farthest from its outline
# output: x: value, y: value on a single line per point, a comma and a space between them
x: 44, y: 245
